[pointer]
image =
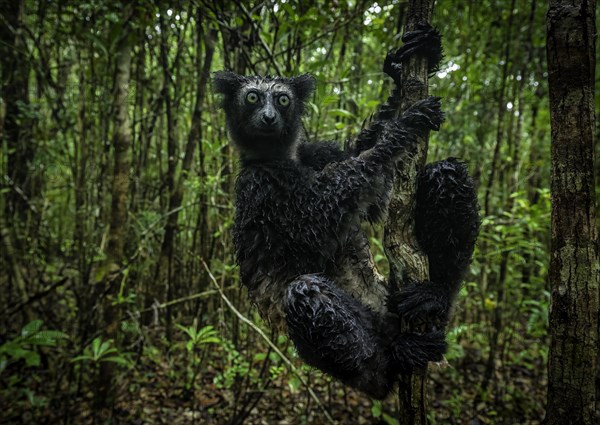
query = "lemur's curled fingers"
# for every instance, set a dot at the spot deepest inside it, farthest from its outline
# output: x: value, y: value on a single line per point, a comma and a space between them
x: 424, y: 115
x: 424, y: 41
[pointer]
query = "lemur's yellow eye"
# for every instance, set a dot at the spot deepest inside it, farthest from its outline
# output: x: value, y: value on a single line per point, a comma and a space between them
x: 284, y: 100
x: 252, y: 97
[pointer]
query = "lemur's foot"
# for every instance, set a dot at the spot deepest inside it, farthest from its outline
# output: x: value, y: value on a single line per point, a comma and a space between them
x: 425, y: 305
x: 412, y: 352
x: 425, y: 41
x: 424, y: 115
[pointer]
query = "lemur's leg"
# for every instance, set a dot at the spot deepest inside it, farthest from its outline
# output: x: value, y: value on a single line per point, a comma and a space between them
x: 446, y: 226
x: 337, y: 334
x: 447, y: 219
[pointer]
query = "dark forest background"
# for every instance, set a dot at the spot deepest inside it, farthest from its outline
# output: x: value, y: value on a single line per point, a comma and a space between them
x: 120, y: 291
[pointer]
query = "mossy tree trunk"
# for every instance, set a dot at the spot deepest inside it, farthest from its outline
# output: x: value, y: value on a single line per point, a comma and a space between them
x: 407, y: 261
x: 111, y: 274
x: 574, y: 269
x: 16, y: 186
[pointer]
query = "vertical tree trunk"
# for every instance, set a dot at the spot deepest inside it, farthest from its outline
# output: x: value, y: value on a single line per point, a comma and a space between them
x: 16, y: 128
x: 498, y: 282
x: 15, y: 136
x: 80, y: 175
x: 401, y: 247
x: 115, y: 252
x: 500, y: 134
x: 164, y: 275
x: 165, y: 264
x: 574, y: 269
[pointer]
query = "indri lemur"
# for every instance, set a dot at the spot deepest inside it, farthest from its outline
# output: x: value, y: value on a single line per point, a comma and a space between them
x: 302, y: 253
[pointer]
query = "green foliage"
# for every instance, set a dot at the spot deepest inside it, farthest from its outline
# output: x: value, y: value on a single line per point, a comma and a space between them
x: 377, y: 412
x: 236, y: 366
x: 455, y: 349
x: 25, y: 346
x: 197, y: 338
x: 104, y: 351
x: 205, y: 335
x: 23, y: 351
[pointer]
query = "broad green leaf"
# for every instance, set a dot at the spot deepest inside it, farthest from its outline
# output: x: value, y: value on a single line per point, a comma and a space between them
x: 31, y: 328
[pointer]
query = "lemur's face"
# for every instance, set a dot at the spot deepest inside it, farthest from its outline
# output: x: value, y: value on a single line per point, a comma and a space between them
x: 267, y: 109
x: 263, y: 113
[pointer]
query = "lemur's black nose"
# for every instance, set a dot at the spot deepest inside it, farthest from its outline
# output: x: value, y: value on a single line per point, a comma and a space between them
x: 269, y: 119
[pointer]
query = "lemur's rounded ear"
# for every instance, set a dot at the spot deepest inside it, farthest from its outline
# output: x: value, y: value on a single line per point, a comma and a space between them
x: 226, y: 82
x: 303, y: 85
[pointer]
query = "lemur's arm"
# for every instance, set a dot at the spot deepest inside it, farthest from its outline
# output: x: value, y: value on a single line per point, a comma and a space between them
x: 357, y: 183
x: 317, y: 155
x: 424, y: 41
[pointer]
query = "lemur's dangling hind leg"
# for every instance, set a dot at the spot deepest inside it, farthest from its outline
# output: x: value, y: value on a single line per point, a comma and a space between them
x: 447, y: 219
x: 446, y: 224
x: 343, y: 337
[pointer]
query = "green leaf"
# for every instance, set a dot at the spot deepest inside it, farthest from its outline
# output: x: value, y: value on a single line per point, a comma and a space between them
x: 341, y: 113
x: 32, y: 358
x: 210, y: 340
x: 103, y: 349
x: 96, y: 42
x: 117, y: 359
x: 31, y: 328
x: 294, y: 384
x: 82, y: 358
x: 48, y: 338
x: 190, y: 332
x: 389, y: 420
x: 314, y: 107
x: 376, y: 409
x: 258, y: 357
x: 329, y: 100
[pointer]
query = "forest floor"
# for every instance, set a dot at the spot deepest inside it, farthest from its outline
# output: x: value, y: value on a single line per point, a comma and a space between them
x: 514, y: 395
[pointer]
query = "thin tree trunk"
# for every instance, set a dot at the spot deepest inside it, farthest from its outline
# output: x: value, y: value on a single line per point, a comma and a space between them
x: 16, y: 128
x: 164, y: 275
x: 501, y: 112
x: 402, y: 250
x: 176, y: 194
x: 115, y: 252
x: 15, y: 136
x: 574, y: 269
x: 80, y: 178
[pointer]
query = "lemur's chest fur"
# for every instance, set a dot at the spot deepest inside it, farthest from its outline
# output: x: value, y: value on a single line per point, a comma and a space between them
x: 279, y: 228
x: 285, y: 228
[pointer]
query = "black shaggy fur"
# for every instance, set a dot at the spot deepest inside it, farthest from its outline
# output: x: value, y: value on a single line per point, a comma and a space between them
x: 299, y: 207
